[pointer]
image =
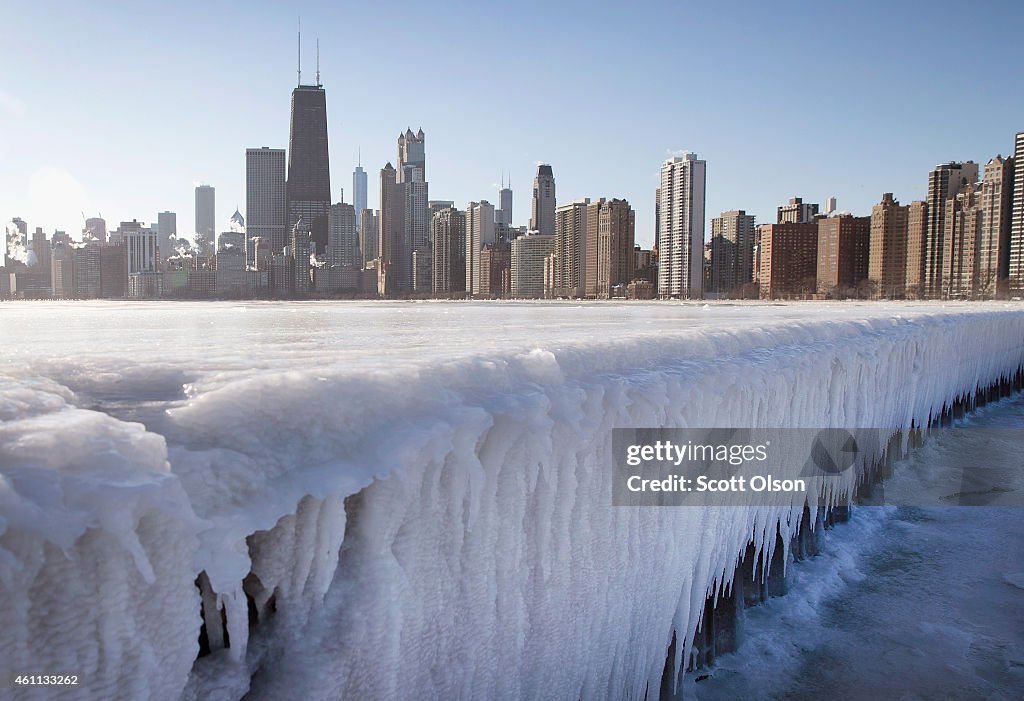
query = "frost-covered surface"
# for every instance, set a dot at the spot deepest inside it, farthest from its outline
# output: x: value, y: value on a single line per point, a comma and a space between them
x: 417, y: 496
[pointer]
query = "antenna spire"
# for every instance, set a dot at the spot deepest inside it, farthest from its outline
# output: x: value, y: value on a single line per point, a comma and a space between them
x: 359, y: 156
x: 299, y: 51
x: 318, y: 62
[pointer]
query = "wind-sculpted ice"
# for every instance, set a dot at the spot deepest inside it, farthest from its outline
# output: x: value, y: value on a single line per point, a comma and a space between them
x: 434, y: 529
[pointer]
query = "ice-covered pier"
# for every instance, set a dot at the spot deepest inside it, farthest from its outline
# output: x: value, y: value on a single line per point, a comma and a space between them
x: 379, y: 501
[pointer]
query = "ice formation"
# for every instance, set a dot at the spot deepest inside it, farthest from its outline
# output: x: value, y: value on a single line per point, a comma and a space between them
x: 433, y: 524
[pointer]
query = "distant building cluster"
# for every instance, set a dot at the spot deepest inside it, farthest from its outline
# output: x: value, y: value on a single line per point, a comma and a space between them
x: 965, y: 241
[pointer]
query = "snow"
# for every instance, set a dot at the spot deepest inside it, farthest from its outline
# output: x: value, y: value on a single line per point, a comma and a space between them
x: 417, y: 496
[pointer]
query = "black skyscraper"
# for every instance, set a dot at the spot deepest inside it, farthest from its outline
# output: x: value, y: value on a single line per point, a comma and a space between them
x: 309, y: 175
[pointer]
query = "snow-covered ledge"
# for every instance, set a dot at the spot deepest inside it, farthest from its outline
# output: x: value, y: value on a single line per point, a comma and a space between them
x: 442, y: 531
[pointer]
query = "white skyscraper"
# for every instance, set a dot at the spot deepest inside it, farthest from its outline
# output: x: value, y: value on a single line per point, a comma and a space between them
x: 265, y: 205
x: 479, y: 233
x: 681, y: 227
x: 527, y: 264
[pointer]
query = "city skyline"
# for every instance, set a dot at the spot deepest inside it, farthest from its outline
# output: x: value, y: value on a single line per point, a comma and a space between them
x: 128, y: 165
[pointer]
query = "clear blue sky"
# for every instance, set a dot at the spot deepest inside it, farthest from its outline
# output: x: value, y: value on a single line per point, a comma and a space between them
x: 121, y: 108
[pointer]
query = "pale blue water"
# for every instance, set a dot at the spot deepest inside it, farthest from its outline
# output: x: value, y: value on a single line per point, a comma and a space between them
x: 906, y: 603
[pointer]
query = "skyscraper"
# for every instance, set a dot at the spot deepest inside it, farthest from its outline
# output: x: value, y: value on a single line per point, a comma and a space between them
x: 527, y: 264
x: 412, y: 151
x: 732, y: 252
x: 789, y: 259
x: 95, y: 230
x: 449, y: 259
x: 995, y: 198
x: 339, y: 271
x: 960, y: 233
x: 887, y: 254
x: 393, y: 247
x: 917, y: 249
x: 569, y: 263
x: 368, y: 236
x: 342, y: 242
x: 479, y: 233
x: 411, y: 177
x: 309, y: 174
x: 359, y: 192
x: 610, y: 256
x: 681, y: 227
x: 944, y: 182
x: 265, y: 201
x: 167, y: 233
x: 842, y: 259
x: 300, y: 250
x: 206, y: 224
x: 1017, y: 221
x: 542, y: 216
x: 503, y: 215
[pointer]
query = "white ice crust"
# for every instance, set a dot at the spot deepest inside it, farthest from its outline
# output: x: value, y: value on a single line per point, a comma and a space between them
x: 435, y: 529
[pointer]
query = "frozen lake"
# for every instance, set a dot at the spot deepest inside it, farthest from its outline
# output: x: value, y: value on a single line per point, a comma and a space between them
x: 367, y: 500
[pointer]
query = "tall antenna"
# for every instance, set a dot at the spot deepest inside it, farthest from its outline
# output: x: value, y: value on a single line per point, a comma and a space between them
x: 359, y: 156
x: 299, y: 52
x: 318, y: 62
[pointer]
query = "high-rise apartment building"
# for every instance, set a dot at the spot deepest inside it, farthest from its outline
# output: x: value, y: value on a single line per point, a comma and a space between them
x: 917, y: 250
x: 1016, y: 263
x: 527, y: 264
x: 796, y: 211
x: 611, y: 233
x: 265, y: 202
x: 359, y: 192
x: 732, y: 252
x: 995, y: 198
x: 342, y: 241
x: 944, y: 182
x: 206, y: 220
x: 887, y: 251
x: 479, y: 233
x: 494, y: 270
x: 842, y: 260
x: 960, y: 238
x: 142, y: 251
x: 789, y: 259
x: 309, y: 175
x: 449, y: 253
x: 681, y: 227
x: 542, y: 213
x: 570, y: 257
x: 657, y: 215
